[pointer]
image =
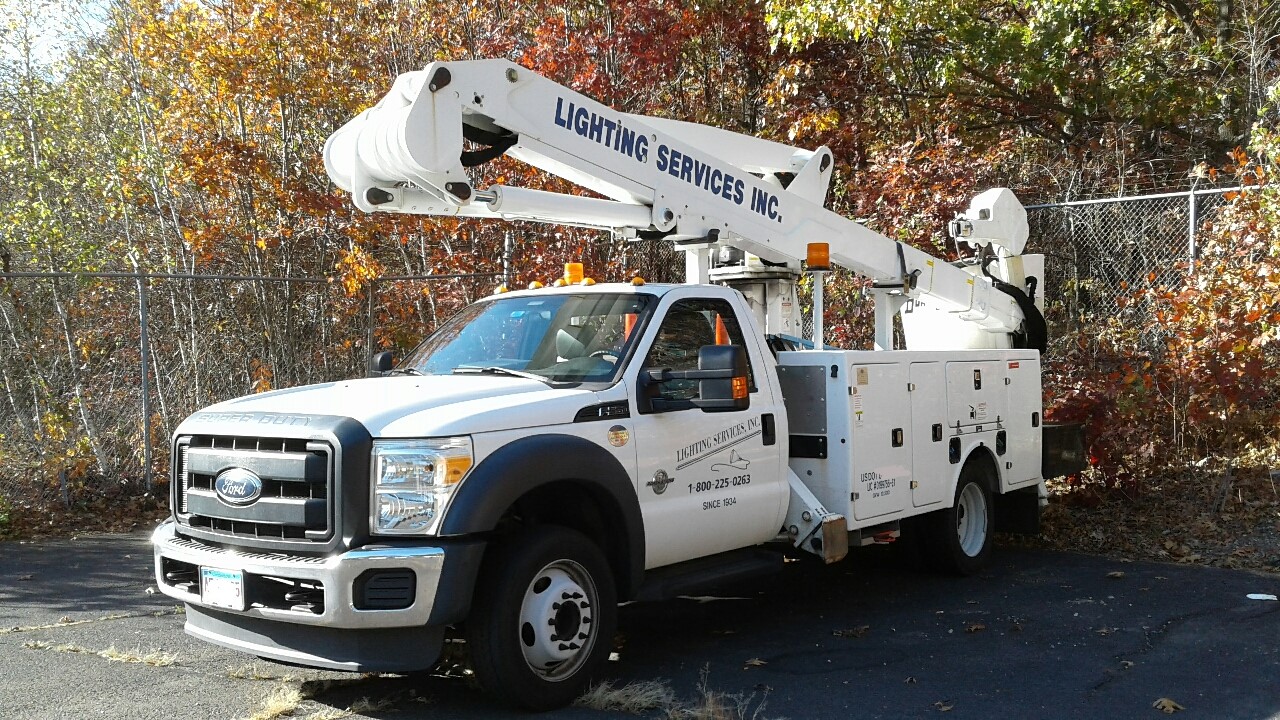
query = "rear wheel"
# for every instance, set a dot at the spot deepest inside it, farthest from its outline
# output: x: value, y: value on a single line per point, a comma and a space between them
x: 960, y: 536
x: 543, y: 618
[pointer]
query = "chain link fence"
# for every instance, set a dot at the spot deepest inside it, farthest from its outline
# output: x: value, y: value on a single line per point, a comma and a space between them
x: 99, y: 368
x: 103, y: 366
x: 1095, y: 249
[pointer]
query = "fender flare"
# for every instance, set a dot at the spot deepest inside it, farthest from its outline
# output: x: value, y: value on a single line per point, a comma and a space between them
x: 979, y: 452
x: 531, y: 462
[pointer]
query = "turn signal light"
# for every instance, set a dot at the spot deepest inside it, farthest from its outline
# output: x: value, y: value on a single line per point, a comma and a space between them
x: 739, y: 388
x: 637, y: 281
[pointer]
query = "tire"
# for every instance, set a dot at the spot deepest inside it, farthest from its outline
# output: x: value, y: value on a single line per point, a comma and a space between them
x: 543, y: 619
x: 959, y: 537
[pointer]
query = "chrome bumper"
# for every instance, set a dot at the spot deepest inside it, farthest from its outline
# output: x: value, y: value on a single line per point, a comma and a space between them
x: 337, y: 576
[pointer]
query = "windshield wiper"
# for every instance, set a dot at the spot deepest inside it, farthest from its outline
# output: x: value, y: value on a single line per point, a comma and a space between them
x: 404, y: 371
x: 496, y: 370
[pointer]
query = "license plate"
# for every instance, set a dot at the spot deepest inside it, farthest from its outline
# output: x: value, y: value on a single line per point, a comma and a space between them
x: 222, y: 588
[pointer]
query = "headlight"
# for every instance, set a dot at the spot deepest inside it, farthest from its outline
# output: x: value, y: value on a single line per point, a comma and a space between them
x: 412, y: 480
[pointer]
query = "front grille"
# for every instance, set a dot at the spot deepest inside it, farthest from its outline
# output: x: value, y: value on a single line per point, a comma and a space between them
x: 297, y: 477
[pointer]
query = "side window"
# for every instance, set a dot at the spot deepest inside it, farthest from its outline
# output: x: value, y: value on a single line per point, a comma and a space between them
x: 689, y: 325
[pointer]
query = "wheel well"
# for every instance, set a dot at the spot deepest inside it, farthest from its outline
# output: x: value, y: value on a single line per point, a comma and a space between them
x: 583, y: 507
x: 980, y: 456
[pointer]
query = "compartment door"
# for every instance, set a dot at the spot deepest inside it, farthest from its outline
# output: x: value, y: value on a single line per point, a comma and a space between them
x: 931, y: 471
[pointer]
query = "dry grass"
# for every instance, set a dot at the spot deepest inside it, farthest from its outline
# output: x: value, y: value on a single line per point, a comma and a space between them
x: 282, y: 702
x: 640, y: 698
x: 68, y: 622
x: 154, y: 658
x: 714, y: 705
x: 287, y: 698
x: 634, y: 697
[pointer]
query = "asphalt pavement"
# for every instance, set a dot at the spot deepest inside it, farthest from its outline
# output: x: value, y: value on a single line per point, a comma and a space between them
x: 1040, y: 635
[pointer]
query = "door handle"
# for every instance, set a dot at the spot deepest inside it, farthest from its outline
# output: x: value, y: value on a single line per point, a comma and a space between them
x: 769, y: 432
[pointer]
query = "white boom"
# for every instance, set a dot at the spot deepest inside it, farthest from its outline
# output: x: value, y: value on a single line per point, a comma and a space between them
x: 691, y: 182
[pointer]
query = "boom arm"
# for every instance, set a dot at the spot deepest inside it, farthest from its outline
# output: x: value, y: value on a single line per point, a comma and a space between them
x: 690, y: 182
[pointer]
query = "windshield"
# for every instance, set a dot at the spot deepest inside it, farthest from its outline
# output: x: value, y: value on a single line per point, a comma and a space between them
x: 560, y: 338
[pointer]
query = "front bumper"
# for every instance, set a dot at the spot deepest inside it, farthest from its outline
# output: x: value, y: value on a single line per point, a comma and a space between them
x: 332, y: 630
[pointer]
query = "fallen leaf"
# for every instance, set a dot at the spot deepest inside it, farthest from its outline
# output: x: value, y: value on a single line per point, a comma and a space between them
x: 975, y: 627
x: 856, y: 632
x: 1016, y: 627
x: 1105, y: 631
x: 755, y: 662
x: 1167, y: 706
x: 1117, y: 574
x: 64, y: 619
x: 944, y: 706
x: 1126, y: 664
x: 911, y: 680
x: 25, y: 577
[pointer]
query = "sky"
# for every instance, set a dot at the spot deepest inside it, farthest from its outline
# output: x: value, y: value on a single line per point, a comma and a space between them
x: 45, y: 30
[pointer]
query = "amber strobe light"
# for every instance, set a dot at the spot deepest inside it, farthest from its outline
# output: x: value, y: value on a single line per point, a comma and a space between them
x: 819, y: 256
x: 818, y: 261
x: 573, y: 273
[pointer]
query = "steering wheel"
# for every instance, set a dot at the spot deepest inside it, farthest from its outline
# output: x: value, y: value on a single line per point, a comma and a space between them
x: 607, y: 355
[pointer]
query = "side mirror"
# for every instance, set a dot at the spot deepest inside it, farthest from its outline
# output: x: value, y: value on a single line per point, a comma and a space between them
x: 721, y: 376
x: 379, y: 364
x: 722, y: 384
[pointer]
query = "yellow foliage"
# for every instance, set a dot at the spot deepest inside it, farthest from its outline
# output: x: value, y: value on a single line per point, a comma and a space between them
x: 357, y: 267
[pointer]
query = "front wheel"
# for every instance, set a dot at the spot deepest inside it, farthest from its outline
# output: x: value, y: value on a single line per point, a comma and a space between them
x: 543, y: 618
x: 960, y: 537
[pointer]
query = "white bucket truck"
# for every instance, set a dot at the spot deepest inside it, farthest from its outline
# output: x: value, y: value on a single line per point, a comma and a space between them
x: 550, y: 452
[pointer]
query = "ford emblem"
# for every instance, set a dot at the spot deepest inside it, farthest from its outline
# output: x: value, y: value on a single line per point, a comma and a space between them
x: 237, y: 486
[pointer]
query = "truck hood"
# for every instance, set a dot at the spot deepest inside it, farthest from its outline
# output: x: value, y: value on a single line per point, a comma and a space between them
x: 426, y: 406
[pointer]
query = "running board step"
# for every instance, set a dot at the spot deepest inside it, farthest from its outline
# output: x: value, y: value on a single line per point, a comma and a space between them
x: 694, y: 575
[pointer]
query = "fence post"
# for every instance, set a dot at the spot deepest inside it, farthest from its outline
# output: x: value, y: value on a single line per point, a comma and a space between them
x: 145, y: 354
x: 372, y: 293
x: 508, y: 250
x: 1192, y: 251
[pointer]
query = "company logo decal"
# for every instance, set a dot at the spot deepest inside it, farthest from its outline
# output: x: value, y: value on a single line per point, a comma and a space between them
x: 735, y: 463
x: 238, y: 486
x: 701, y: 450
